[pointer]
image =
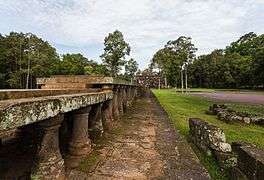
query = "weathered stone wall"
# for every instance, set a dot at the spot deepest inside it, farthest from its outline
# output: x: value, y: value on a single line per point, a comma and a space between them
x: 208, y: 137
x: 41, y: 137
x: 211, y: 140
x: 228, y: 115
x: 33, y: 93
x: 243, y: 160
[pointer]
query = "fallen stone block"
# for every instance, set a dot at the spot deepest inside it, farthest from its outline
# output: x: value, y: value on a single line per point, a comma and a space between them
x: 250, y: 160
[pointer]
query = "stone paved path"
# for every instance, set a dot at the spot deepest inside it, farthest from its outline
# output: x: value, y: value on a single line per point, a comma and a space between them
x: 143, y: 146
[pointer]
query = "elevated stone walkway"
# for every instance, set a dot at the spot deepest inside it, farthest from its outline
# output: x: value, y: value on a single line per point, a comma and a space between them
x: 143, y: 145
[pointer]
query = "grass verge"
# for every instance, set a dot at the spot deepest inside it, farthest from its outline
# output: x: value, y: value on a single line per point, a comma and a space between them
x: 181, y: 107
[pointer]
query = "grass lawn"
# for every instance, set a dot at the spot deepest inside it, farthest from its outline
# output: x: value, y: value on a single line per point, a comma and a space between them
x: 181, y: 107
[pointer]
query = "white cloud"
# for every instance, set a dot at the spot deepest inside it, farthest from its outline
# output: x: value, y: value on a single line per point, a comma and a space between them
x: 146, y: 24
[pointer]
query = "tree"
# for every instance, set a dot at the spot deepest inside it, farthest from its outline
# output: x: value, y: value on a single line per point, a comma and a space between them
x: 131, y: 68
x: 114, y: 52
x: 174, y: 54
x: 73, y: 64
x: 25, y: 57
x: 258, y: 65
x: 96, y: 69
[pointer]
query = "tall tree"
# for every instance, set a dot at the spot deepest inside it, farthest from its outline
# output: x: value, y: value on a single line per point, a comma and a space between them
x: 114, y: 52
x: 131, y: 68
x: 169, y: 59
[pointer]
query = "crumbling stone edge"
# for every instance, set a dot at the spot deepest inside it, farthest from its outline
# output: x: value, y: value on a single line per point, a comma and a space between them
x: 229, y: 115
x: 242, y: 160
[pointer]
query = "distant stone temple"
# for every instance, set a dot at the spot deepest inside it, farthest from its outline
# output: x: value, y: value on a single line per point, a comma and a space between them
x: 151, y: 81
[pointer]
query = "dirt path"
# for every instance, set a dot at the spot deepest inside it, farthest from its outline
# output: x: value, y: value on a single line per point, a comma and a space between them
x: 143, y: 146
x: 234, y: 97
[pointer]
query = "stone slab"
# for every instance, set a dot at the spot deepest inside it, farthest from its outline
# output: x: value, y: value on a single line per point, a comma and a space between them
x: 20, y: 112
x: 82, y: 79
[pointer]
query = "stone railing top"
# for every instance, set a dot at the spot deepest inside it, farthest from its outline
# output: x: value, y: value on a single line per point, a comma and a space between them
x: 32, y: 93
x: 83, y: 79
x: 20, y: 112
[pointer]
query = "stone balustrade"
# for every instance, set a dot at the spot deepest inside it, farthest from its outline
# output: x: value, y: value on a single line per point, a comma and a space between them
x: 56, y: 124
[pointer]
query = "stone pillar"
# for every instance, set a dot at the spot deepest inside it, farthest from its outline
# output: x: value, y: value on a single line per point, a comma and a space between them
x: 48, y: 163
x: 107, y: 115
x: 95, y: 121
x: 132, y: 93
x: 128, y: 96
x: 115, y: 109
x: 80, y: 144
x: 125, y: 98
x: 120, y: 100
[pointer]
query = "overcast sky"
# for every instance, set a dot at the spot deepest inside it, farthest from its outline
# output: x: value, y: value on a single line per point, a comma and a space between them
x: 80, y: 25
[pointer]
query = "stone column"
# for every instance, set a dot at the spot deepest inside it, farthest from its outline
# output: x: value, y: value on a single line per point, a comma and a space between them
x: 128, y: 96
x: 115, y: 109
x: 95, y: 121
x: 120, y: 100
x: 80, y: 144
x: 125, y: 99
x: 107, y: 115
x: 133, y: 92
x: 130, y: 91
x: 48, y: 163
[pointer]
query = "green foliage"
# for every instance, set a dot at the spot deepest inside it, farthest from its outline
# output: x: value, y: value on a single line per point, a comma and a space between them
x: 73, y: 64
x: 258, y: 66
x: 114, y: 52
x: 25, y: 56
x: 131, y: 68
x: 169, y: 59
x: 181, y: 107
x: 96, y: 69
x: 240, y: 65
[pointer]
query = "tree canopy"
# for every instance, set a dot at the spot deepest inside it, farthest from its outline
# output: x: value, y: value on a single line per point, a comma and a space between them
x: 116, y: 48
x: 131, y: 68
x: 25, y: 57
x: 239, y: 65
x: 169, y: 59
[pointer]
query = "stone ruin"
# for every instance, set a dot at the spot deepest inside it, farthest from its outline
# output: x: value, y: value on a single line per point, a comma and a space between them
x: 229, y: 115
x: 250, y: 162
x: 151, y: 81
x: 211, y: 140
x: 43, y: 132
x: 244, y: 161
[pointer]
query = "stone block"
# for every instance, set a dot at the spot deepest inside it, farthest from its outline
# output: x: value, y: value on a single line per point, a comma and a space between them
x: 208, y: 137
x: 237, y: 174
x: 250, y: 160
x: 225, y: 159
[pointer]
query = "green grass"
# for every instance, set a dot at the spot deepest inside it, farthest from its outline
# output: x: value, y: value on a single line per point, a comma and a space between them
x: 181, y: 107
x: 252, y: 109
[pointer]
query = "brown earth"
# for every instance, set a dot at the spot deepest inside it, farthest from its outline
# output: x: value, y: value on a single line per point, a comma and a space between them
x: 143, y: 145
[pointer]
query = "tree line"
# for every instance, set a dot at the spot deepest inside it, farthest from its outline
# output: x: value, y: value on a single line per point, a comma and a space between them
x: 25, y: 57
x: 239, y: 65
